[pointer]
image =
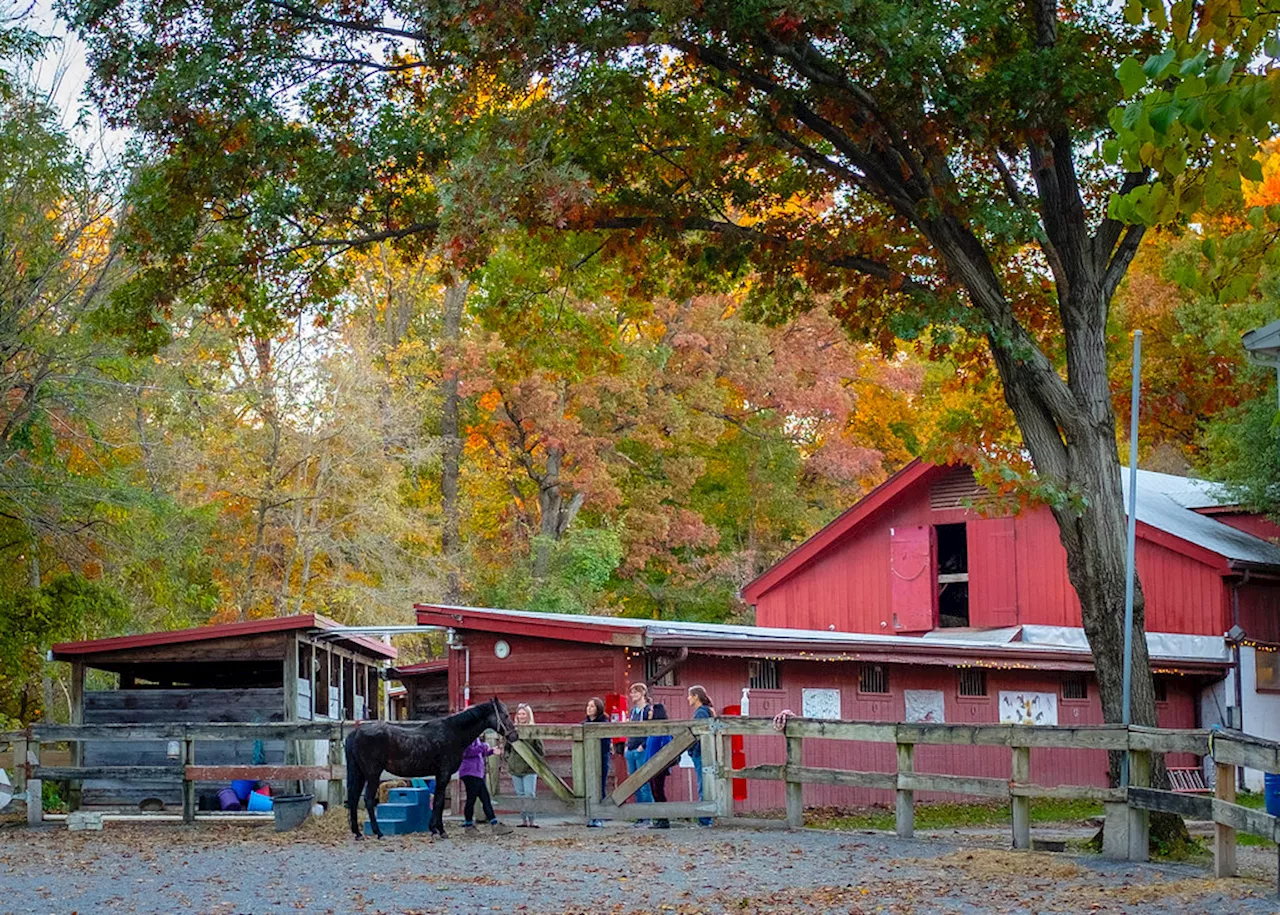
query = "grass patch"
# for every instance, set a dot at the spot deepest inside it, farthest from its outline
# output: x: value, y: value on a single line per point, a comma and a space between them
x: 1256, y: 801
x: 955, y: 816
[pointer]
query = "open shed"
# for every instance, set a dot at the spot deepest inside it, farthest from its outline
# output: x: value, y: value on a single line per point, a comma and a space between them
x: 426, y: 690
x: 260, y: 671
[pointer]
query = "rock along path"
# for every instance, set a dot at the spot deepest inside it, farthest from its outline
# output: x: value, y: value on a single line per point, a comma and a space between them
x: 228, y: 869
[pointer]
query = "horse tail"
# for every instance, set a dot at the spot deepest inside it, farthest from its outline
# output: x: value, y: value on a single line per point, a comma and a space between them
x: 355, y: 781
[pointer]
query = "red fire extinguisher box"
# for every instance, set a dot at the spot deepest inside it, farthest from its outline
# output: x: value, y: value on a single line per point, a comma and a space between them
x: 739, y: 756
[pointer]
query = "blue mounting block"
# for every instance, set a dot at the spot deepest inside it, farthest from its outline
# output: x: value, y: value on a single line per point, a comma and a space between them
x: 407, y: 810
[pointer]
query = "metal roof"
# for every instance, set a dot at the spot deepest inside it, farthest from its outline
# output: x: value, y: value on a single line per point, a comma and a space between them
x: 993, y: 644
x: 312, y: 621
x: 1167, y: 502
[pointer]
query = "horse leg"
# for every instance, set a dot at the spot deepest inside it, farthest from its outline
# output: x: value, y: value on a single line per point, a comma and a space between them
x: 437, y: 806
x: 355, y: 784
x: 371, y: 802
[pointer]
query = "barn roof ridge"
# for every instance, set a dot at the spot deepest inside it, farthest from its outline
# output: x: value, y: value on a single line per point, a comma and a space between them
x: 63, y: 650
x: 1167, y: 505
x: 1013, y: 642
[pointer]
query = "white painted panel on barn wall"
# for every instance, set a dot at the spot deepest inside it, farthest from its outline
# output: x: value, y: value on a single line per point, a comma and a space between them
x: 1018, y: 707
x: 924, y: 706
x: 821, y: 703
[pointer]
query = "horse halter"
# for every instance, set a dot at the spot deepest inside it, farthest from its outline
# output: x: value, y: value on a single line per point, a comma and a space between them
x: 507, y: 729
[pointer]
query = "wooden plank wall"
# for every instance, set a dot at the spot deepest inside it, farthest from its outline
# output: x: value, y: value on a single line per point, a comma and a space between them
x: 152, y: 706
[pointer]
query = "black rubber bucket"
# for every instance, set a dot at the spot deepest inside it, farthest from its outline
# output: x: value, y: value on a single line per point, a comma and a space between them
x: 291, y: 810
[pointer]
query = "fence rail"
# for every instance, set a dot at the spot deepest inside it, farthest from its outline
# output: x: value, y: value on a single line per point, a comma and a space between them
x: 1127, y: 808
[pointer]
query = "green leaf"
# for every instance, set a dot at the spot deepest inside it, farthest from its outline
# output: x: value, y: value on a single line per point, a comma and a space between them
x: 1256, y: 217
x: 1209, y: 248
x: 1221, y: 74
x: 1193, y: 66
x: 1131, y: 76
x: 1251, y: 169
x: 1156, y: 63
x: 1162, y: 116
x: 1111, y: 151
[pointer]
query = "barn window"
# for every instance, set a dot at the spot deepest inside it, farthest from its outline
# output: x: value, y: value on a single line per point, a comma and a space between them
x: 1075, y: 687
x: 653, y: 665
x: 973, y: 681
x: 873, y: 678
x: 1267, y: 669
x: 1162, y: 689
x: 763, y: 674
x: 953, y: 575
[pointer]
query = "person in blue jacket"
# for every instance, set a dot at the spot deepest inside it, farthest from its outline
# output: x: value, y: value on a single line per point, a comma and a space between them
x: 656, y: 711
x: 596, y: 714
x: 700, y: 702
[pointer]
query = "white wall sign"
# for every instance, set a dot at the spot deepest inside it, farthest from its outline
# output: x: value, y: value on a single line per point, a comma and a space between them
x: 924, y: 706
x: 821, y: 703
x: 1028, y: 708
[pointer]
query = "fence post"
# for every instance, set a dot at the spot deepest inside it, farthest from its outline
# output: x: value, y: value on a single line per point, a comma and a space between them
x: 591, y: 774
x: 795, y: 789
x: 576, y: 769
x: 905, y: 801
x: 20, y: 766
x: 710, y: 743
x: 335, y: 784
x: 1021, y: 775
x: 188, y: 786
x: 1224, y: 836
x: 35, y: 788
x: 75, y: 787
x: 1139, y: 831
x: 724, y: 749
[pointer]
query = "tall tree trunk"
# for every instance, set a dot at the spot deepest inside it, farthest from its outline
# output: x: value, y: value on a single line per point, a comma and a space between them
x: 455, y: 298
x: 557, y: 513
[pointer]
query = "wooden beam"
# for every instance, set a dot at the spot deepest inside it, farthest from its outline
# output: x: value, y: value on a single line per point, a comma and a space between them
x: 1195, y: 806
x: 1170, y: 740
x: 842, y: 730
x: 1224, y: 835
x: 66, y: 773
x: 955, y: 784
x: 544, y: 771
x: 1240, y: 750
x: 76, y: 709
x: 551, y: 731
x: 1139, y: 831
x: 795, y: 788
x: 652, y: 766
x: 1069, y: 792
x: 35, y: 787
x: 265, y: 773
x: 1021, y: 772
x: 904, y: 807
x: 188, y: 783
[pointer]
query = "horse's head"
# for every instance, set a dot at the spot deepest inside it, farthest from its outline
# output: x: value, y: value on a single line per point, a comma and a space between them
x: 502, y: 722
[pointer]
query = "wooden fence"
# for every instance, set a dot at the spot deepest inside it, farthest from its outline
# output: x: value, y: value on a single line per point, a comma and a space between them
x: 1127, y: 809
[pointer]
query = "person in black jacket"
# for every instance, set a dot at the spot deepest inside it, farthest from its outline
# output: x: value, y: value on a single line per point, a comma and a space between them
x: 596, y: 714
x: 658, y: 784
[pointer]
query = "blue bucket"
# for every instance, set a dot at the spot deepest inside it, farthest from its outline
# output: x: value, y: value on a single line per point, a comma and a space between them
x: 243, y: 787
x: 1271, y: 792
x: 259, y: 803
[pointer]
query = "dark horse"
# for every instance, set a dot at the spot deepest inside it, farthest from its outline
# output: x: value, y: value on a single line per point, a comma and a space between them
x: 414, y: 750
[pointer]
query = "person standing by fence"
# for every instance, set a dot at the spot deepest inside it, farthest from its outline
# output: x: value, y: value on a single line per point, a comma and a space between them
x: 524, y: 781
x: 472, y: 774
x: 596, y: 714
x: 656, y: 711
x: 639, y: 696
x: 700, y: 702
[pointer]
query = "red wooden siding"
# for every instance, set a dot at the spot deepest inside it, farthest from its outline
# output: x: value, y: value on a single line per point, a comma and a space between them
x: 1258, y: 525
x: 1260, y: 611
x: 1018, y: 574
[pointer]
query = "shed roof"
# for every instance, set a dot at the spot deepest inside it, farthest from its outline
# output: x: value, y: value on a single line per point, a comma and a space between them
x: 1167, y: 508
x: 947, y: 647
x: 66, y: 651
x: 421, y: 669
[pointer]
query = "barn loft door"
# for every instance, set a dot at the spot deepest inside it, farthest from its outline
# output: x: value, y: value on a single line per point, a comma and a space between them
x: 993, y: 572
x: 914, y: 586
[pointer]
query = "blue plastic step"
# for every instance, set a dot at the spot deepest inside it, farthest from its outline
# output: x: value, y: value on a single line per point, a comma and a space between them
x: 418, y: 796
x: 393, y: 827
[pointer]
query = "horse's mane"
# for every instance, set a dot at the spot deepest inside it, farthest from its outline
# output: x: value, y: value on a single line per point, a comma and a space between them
x: 471, y: 715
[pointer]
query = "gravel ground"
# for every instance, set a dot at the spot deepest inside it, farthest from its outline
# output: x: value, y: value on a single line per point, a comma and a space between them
x: 566, y: 868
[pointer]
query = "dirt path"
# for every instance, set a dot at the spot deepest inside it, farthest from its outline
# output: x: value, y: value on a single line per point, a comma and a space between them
x: 236, y: 869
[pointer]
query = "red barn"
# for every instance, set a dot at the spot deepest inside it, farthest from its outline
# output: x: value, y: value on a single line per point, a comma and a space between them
x: 929, y: 551
x: 557, y: 662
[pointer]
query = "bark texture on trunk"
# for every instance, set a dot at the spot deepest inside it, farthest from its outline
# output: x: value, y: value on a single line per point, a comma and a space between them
x: 455, y: 298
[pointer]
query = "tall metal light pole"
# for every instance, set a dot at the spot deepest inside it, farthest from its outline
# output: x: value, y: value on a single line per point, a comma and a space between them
x: 1130, y: 546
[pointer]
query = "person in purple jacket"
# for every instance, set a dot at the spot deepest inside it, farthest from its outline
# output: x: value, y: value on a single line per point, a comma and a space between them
x: 472, y: 774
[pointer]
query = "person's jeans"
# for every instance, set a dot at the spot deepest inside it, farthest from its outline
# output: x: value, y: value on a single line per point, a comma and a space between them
x: 525, y: 786
x: 697, y: 767
x: 635, y: 759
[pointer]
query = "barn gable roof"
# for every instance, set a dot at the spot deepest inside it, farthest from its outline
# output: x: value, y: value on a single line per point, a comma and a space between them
x: 1167, y: 514
x: 66, y: 651
x: 1059, y: 649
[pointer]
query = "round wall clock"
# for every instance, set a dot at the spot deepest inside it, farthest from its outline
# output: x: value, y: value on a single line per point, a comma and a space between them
x: 501, y: 649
